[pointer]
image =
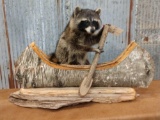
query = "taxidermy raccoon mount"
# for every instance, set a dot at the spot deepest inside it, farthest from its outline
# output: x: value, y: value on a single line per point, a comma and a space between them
x: 81, y: 33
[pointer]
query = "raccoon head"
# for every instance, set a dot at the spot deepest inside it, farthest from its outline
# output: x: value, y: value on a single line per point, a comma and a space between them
x: 87, y: 20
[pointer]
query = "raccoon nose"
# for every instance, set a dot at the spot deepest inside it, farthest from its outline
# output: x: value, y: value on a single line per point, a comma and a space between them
x: 92, y: 30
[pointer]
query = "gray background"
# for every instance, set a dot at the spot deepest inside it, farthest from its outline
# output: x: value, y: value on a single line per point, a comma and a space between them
x: 42, y: 21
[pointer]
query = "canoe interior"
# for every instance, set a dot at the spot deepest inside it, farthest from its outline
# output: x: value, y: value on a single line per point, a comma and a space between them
x: 105, y: 65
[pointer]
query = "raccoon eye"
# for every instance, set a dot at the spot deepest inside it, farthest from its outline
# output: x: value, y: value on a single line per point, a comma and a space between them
x: 86, y: 22
x: 96, y: 24
x: 83, y: 24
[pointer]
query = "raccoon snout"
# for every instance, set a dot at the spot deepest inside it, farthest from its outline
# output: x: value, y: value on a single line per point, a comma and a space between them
x: 90, y: 30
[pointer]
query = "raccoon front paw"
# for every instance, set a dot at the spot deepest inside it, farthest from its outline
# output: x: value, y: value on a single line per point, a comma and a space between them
x: 98, y: 50
x: 101, y: 50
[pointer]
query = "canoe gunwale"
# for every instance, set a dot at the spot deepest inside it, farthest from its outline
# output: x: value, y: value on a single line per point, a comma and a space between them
x: 102, y: 66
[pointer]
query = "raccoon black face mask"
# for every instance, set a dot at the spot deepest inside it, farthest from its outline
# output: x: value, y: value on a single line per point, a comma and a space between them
x: 88, y: 20
x: 83, y: 30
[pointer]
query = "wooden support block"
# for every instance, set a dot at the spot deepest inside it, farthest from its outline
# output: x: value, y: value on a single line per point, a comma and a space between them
x: 54, y: 98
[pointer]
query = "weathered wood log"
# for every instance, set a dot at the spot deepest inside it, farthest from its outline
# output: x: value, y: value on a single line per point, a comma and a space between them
x: 55, y: 98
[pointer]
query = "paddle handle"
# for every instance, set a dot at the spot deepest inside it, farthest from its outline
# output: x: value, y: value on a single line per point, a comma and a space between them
x: 87, y: 82
x: 97, y: 55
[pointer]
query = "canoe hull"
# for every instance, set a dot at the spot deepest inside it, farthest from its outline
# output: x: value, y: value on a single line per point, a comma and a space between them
x: 136, y: 70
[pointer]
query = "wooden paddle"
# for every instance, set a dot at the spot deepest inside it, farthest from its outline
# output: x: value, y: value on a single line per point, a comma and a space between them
x: 87, y: 82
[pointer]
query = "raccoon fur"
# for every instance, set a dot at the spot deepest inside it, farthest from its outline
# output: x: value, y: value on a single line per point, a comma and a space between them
x: 81, y: 33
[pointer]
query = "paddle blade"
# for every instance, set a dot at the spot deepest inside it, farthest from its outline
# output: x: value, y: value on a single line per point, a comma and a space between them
x: 85, y: 86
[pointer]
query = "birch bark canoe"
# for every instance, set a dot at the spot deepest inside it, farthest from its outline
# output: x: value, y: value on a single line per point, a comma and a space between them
x: 133, y: 68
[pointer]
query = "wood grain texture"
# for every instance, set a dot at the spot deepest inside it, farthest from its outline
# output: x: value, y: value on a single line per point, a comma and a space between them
x: 55, y: 98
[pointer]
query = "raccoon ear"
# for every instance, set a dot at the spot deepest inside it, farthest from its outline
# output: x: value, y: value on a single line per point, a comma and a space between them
x: 77, y: 10
x: 98, y: 10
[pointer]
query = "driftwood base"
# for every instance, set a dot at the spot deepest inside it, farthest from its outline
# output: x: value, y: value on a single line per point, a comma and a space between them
x: 55, y: 98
